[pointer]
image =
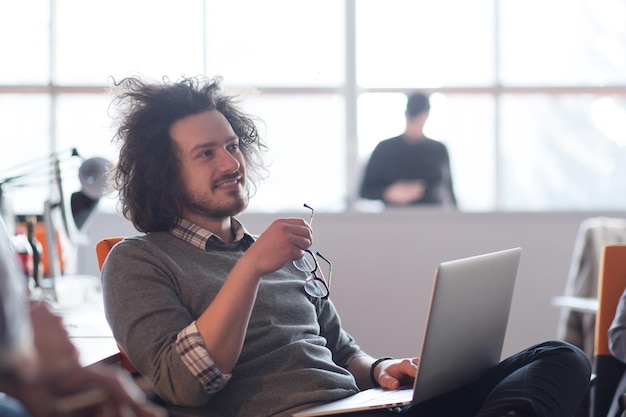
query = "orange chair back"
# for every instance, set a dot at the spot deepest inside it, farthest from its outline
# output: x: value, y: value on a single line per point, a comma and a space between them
x: 103, y: 247
x: 611, y: 284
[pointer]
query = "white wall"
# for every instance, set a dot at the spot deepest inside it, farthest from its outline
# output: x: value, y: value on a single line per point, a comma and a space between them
x: 384, y: 263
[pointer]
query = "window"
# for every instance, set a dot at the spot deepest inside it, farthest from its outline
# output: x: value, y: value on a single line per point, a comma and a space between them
x: 563, y: 152
x: 572, y: 43
x: 532, y: 118
x: 276, y: 43
x: 418, y: 44
x: 152, y: 38
x: 25, y: 45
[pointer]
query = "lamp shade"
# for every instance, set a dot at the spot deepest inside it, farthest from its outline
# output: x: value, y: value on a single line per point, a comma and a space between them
x: 92, y: 176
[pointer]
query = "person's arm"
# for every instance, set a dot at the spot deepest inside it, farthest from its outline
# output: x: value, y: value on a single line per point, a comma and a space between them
x: 58, y: 376
x: 360, y: 367
x: 39, y: 365
x: 617, y: 331
x: 447, y: 177
x: 389, y: 374
x: 16, y: 339
x: 374, y: 183
x: 223, y: 324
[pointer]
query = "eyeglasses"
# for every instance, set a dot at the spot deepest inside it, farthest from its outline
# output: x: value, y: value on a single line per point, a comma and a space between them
x: 315, y: 286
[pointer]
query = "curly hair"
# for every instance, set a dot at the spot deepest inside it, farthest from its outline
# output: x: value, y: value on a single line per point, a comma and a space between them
x: 146, y: 176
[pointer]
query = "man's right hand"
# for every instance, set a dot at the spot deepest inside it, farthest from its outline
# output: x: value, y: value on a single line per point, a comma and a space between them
x: 283, y: 241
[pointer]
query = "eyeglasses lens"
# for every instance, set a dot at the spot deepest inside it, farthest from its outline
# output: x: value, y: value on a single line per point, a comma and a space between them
x: 316, y: 287
x: 306, y: 263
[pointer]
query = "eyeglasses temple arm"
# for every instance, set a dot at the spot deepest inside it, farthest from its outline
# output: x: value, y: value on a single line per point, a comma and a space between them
x: 312, y: 213
x: 330, y: 267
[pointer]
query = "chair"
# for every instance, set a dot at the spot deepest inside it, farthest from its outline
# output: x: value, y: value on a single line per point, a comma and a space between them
x: 608, y: 369
x: 578, y: 326
x: 103, y: 247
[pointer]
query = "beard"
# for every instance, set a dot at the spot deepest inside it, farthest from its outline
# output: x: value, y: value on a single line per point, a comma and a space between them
x: 212, y: 208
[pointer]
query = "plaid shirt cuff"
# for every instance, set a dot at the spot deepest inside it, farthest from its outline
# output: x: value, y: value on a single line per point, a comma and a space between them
x: 190, y: 347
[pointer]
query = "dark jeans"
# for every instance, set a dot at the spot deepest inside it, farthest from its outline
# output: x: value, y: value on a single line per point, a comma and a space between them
x: 545, y: 380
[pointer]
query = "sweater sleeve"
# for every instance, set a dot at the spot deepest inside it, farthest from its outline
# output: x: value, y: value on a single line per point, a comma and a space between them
x: 340, y: 343
x: 135, y: 278
x: 190, y: 347
x: 617, y: 331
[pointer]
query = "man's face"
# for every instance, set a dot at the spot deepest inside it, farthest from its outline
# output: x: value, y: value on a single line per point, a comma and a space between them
x: 212, y: 166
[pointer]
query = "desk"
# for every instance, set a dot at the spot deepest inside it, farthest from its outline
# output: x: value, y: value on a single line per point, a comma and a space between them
x: 84, y: 320
x: 90, y: 333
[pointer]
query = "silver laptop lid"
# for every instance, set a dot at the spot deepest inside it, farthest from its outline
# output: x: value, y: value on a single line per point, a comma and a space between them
x: 467, y: 320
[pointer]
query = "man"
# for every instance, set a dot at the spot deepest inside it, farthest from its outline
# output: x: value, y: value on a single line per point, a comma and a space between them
x: 218, y: 319
x: 410, y: 169
x: 39, y: 369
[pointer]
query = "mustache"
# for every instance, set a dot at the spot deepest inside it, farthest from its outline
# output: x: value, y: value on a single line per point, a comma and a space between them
x: 233, y: 176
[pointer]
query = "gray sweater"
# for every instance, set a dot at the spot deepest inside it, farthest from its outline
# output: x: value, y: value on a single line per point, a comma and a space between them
x: 617, y: 346
x: 295, y: 352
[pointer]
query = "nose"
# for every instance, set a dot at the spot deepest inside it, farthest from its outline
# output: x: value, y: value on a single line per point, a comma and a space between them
x: 227, y: 162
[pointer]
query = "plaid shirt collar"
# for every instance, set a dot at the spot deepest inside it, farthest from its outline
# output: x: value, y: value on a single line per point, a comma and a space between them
x: 199, y: 236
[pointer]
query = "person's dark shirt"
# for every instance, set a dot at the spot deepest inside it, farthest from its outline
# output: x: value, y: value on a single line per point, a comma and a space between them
x: 396, y: 159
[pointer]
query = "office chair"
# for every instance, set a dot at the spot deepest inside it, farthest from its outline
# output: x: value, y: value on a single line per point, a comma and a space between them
x: 103, y: 247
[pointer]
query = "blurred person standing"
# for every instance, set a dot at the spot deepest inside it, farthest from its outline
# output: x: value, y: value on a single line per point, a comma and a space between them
x: 410, y: 169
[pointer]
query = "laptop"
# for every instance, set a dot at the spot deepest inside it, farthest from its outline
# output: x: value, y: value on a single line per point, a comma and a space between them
x: 464, y: 333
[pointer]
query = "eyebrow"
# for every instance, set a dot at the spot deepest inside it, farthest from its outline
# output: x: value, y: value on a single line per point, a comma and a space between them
x: 213, y: 144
